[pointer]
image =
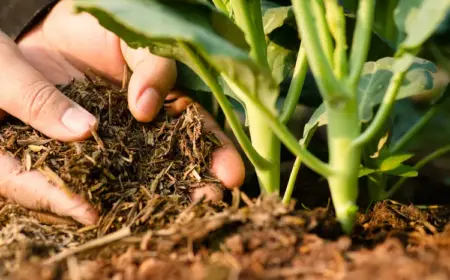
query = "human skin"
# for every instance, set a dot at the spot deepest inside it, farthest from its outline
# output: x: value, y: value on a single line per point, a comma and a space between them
x: 61, y: 48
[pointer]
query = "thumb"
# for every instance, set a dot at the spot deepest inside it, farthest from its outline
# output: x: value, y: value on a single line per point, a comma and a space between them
x: 152, y: 79
x: 27, y: 95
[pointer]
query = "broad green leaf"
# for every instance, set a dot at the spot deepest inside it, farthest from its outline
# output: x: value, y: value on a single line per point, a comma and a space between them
x: 282, y: 40
x: 393, y: 162
x: 281, y: 61
x: 419, y: 19
x: 274, y: 18
x: 161, y: 26
x: 422, y: 79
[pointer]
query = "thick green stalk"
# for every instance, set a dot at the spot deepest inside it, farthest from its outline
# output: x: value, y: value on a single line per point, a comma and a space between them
x: 296, y: 86
x: 330, y: 88
x: 438, y: 153
x: 268, y: 146
x: 205, y: 74
x: 343, y: 128
x: 361, y: 39
x: 248, y: 18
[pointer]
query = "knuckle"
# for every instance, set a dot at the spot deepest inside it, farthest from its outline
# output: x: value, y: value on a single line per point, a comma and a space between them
x: 37, y: 97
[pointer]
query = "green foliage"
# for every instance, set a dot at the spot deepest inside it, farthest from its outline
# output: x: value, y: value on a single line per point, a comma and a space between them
x: 421, y: 79
x: 277, y: 17
x: 248, y: 49
x: 213, y: 36
x: 418, y: 20
x: 391, y: 165
x: 405, y: 23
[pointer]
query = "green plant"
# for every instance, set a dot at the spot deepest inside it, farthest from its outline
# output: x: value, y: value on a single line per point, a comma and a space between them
x: 239, y: 48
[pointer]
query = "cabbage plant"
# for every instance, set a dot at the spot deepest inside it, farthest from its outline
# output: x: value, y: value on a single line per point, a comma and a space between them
x: 244, y: 50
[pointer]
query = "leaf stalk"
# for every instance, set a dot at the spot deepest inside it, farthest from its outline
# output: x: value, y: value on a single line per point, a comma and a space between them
x: 361, y: 40
x: 296, y: 86
x: 330, y: 88
x: 255, y: 158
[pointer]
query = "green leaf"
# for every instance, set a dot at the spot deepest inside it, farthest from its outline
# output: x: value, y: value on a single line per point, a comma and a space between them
x: 274, y: 18
x: 403, y: 171
x: 393, y: 162
x: 281, y: 61
x: 161, y: 26
x: 419, y: 19
x: 365, y: 171
x: 318, y: 118
x: 422, y: 78
x: 282, y: 40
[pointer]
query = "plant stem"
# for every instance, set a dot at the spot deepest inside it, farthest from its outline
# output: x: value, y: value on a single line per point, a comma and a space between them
x: 386, y: 106
x: 249, y: 19
x: 295, y: 88
x: 343, y: 128
x: 323, y: 31
x: 439, y: 152
x: 330, y: 87
x: 336, y: 23
x: 220, y: 6
x: 201, y: 70
x: 402, y: 142
x: 292, y: 179
x: 281, y: 131
x: 294, y: 173
x: 361, y: 40
x: 268, y: 146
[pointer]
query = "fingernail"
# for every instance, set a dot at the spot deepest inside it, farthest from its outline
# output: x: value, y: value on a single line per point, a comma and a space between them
x: 78, y: 120
x: 147, y: 100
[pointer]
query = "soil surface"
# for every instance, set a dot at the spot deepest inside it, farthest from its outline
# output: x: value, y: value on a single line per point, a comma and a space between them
x: 139, y: 177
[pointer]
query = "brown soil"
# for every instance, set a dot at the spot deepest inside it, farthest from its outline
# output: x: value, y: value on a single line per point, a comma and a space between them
x: 139, y: 177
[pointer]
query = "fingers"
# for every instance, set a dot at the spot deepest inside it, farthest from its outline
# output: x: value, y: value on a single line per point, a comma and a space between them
x: 227, y: 164
x: 152, y: 79
x: 27, y: 95
x: 32, y: 190
x: 210, y: 192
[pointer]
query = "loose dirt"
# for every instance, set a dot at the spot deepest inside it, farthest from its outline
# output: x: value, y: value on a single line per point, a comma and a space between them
x: 139, y: 177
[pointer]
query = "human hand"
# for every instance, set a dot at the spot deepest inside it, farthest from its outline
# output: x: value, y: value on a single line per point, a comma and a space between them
x: 61, y: 48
